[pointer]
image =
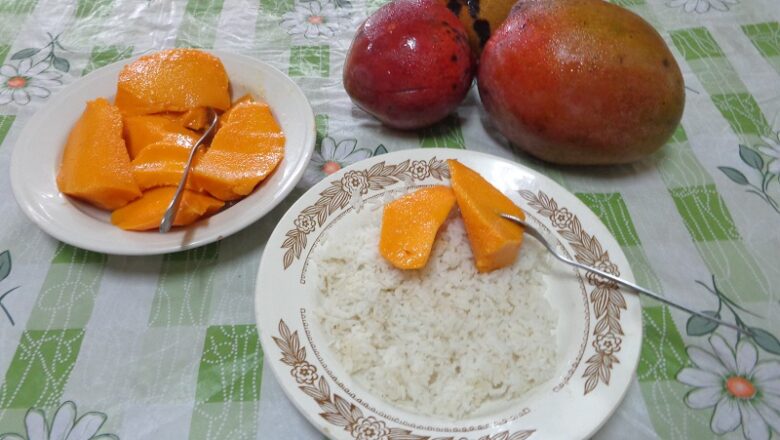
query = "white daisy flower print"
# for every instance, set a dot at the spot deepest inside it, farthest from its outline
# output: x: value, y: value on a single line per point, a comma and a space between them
x: 743, y: 391
x: 21, y: 84
x: 64, y: 425
x: 702, y: 6
x: 312, y: 19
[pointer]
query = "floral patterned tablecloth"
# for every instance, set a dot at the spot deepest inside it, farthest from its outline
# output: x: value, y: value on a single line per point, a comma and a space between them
x: 165, y: 347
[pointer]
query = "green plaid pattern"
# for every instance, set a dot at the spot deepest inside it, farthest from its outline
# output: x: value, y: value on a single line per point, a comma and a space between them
x: 105, y: 55
x: 198, y: 28
x: 167, y: 347
x: 444, y: 134
x: 5, y: 125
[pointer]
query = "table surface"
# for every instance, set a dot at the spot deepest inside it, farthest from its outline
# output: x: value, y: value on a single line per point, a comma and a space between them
x: 166, y: 347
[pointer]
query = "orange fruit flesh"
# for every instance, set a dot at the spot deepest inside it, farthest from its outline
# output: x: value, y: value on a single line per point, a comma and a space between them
x: 194, y: 119
x: 162, y: 164
x: 147, y: 212
x: 115, y: 152
x: 142, y: 131
x: 495, y: 242
x: 410, y: 224
x: 226, y: 116
x: 174, y: 80
x: 95, y: 166
x: 243, y: 153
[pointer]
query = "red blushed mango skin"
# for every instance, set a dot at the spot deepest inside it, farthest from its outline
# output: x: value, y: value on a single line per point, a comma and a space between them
x: 410, y: 64
x: 581, y: 82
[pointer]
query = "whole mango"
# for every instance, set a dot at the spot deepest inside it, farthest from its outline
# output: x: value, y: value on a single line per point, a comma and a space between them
x: 581, y: 82
x: 410, y: 64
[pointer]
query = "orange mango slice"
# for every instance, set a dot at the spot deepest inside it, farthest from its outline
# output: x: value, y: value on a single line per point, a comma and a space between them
x: 251, y: 114
x: 144, y: 130
x: 95, y: 166
x: 162, y: 164
x: 226, y: 116
x: 147, y: 212
x: 194, y: 119
x: 243, y: 153
x: 495, y: 242
x: 174, y: 80
x: 410, y: 224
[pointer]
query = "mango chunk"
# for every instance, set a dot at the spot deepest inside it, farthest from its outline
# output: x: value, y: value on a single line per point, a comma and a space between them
x: 162, y: 164
x: 225, y: 116
x: 141, y: 131
x: 195, y: 119
x: 174, y: 80
x: 243, y: 153
x: 410, y: 224
x: 147, y: 212
x: 255, y: 115
x: 495, y: 242
x: 95, y: 166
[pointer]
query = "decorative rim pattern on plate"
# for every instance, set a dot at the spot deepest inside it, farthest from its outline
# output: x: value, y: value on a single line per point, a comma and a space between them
x: 338, y: 411
x: 606, y: 298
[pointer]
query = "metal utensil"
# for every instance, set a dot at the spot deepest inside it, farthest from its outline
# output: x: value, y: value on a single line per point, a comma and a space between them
x: 173, y: 207
x: 533, y: 232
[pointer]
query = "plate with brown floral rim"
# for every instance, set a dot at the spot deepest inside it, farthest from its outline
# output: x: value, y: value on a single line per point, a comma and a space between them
x: 598, y: 337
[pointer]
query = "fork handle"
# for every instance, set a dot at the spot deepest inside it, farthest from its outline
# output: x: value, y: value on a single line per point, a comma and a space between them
x: 534, y: 233
x: 173, y: 207
x: 651, y: 294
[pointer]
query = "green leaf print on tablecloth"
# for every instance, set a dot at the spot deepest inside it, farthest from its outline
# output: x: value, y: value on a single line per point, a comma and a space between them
x: 698, y: 326
x: 5, y: 271
x: 768, y: 171
x: 5, y: 264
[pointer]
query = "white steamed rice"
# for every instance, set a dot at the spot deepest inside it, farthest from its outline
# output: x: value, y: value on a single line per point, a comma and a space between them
x: 444, y: 340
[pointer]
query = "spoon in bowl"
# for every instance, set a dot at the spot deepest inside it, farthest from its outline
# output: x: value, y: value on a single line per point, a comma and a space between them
x: 533, y: 232
x: 173, y: 207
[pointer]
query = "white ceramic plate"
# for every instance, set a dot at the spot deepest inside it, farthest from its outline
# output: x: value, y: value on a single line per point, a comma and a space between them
x: 599, y: 332
x: 37, y: 155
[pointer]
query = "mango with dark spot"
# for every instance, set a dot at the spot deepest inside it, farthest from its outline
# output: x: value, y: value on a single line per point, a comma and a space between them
x: 581, y: 82
x: 480, y: 18
x: 410, y: 64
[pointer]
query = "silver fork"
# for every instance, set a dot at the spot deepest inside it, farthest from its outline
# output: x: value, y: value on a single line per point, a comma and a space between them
x: 533, y: 232
x: 173, y: 207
